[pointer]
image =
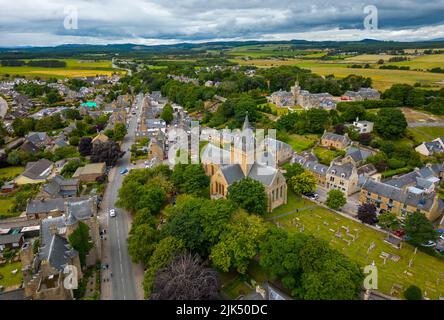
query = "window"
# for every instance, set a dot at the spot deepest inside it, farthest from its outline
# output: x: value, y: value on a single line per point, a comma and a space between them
x: 272, y: 195
x: 282, y: 190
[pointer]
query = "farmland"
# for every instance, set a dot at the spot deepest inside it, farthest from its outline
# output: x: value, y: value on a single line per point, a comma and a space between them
x: 382, y: 78
x: 74, y: 68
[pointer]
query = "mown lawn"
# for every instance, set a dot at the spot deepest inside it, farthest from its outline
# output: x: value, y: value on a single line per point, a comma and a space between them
x: 421, y: 134
x: 6, y: 204
x: 300, y: 143
x: 10, y: 279
x: 325, y: 155
x: 427, y: 272
x: 10, y: 173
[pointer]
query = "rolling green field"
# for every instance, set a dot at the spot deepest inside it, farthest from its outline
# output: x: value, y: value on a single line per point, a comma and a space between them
x: 382, y: 79
x: 426, y: 272
x: 74, y: 68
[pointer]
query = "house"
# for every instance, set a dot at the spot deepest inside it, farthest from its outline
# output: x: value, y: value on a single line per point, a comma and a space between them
x: 90, y: 172
x: 401, y: 202
x: 363, y: 126
x: 419, y: 181
x: 308, y: 100
x: 429, y: 148
x: 156, y: 149
x: 342, y: 176
x: 35, y: 172
x: 362, y: 94
x: 42, y: 208
x: 35, y: 141
x: 100, y: 138
x: 11, y: 241
x: 44, y: 272
x: 333, y: 140
x: 241, y: 164
x: 309, y: 162
x: 282, y: 99
x: 59, y: 187
x: 357, y: 155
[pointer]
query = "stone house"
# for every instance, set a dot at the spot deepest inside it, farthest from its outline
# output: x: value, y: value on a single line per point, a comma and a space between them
x: 333, y: 140
x: 401, y: 202
x: 35, y: 172
x: 343, y: 177
x: 90, y: 172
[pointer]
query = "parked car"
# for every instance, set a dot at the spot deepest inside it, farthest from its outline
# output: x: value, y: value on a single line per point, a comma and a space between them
x: 112, y: 213
x: 429, y: 244
x: 123, y: 171
x: 311, y: 195
x: 399, y: 233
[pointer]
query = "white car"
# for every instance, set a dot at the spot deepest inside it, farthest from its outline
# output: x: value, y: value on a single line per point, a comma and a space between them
x: 112, y: 213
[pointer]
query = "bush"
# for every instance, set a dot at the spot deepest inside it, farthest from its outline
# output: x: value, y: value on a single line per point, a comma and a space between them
x: 413, y: 293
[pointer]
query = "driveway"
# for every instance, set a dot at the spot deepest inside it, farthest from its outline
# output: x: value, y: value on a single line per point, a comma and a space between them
x: 351, y: 207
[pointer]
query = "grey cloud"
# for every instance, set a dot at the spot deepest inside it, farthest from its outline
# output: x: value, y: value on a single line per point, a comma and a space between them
x: 192, y: 20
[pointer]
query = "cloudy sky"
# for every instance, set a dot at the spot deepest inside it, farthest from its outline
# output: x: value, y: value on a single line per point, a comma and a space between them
x: 42, y: 22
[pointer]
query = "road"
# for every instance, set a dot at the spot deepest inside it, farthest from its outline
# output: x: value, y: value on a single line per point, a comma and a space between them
x: 126, y: 280
x: 425, y: 124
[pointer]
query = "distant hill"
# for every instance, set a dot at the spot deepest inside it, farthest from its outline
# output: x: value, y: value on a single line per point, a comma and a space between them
x: 137, y: 50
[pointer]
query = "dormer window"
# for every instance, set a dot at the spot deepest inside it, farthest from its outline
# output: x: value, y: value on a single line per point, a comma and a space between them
x: 333, y: 172
x: 342, y: 175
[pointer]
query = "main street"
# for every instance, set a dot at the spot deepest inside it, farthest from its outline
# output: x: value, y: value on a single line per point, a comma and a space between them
x: 123, y: 278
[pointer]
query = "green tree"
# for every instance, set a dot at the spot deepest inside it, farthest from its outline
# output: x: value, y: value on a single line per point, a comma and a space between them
x: 335, y: 199
x: 389, y: 221
x: 163, y: 254
x: 142, y: 242
x: 80, y: 241
x: 390, y: 123
x: 167, y: 113
x: 413, y: 293
x: 419, y: 229
x: 239, y: 243
x: 190, y: 178
x: 249, y: 194
x: 119, y: 132
x: 293, y: 170
x: 303, y: 183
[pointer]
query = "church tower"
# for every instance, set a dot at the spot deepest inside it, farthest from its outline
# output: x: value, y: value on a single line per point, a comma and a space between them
x: 243, y: 147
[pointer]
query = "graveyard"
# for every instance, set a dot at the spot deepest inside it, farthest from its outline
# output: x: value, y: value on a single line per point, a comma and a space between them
x: 399, y: 265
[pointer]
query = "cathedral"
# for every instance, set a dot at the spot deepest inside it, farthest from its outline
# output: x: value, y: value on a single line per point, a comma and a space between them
x: 236, y: 160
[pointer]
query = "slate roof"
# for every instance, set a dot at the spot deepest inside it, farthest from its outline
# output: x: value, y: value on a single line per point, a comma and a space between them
x: 420, y: 201
x: 263, y: 174
x: 341, y: 170
x: 434, y: 146
x: 10, y: 238
x: 45, y: 206
x: 335, y: 137
x: 384, y: 189
x: 232, y: 173
x: 38, y: 170
x: 316, y: 167
x: 56, y: 186
x: 358, y: 154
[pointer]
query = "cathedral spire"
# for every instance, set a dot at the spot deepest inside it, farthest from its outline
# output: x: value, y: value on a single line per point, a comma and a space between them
x: 246, y: 123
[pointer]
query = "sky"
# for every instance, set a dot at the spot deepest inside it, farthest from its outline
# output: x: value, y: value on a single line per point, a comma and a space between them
x: 149, y: 22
